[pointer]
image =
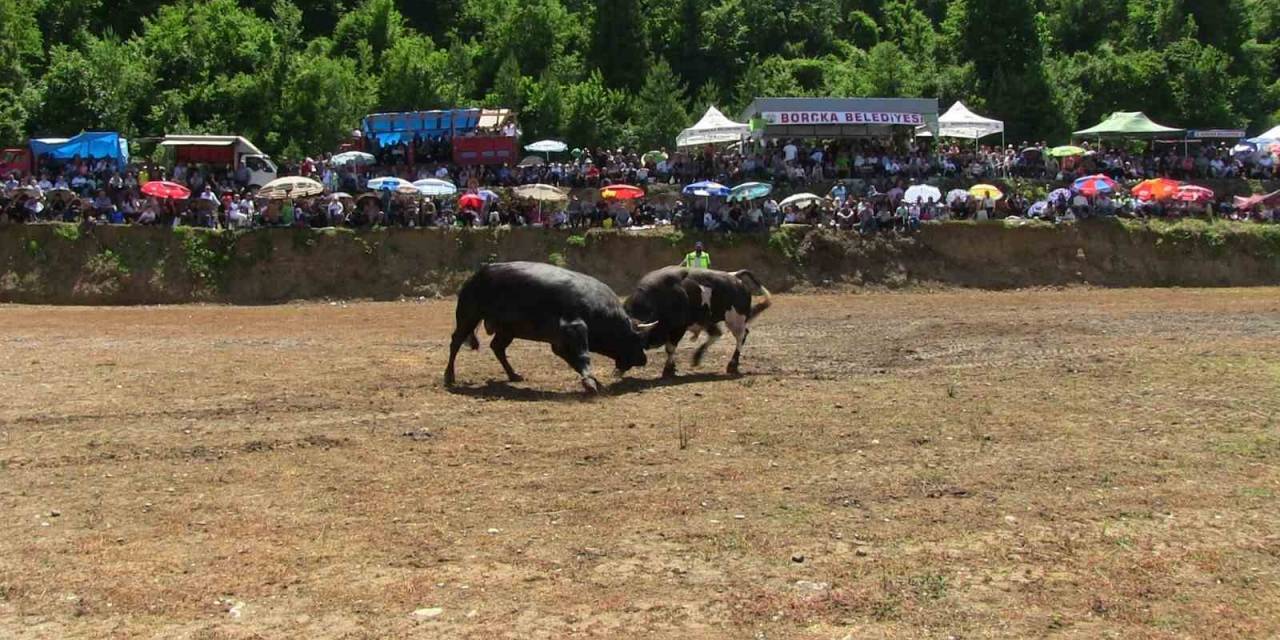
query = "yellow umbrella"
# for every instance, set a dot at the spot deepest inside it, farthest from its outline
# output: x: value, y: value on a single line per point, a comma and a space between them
x: 985, y: 191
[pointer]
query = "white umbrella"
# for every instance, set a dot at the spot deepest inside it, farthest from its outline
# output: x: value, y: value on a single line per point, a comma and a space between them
x: 532, y: 161
x: 290, y: 187
x: 801, y: 200
x: 957, y: 194
x: 434, y: 187
x: 922, y: 193
x: 547, y: 146
x: 352, y: 157
x: 541, y: 193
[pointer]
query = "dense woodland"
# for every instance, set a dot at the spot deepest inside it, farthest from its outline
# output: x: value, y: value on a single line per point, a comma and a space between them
x: 297, y: 75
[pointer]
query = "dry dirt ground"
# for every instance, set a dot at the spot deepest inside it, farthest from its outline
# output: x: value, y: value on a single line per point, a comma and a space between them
x: 1061, y: 464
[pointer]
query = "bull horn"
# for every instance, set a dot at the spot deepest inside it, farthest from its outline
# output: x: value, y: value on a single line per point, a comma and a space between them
x: 648, y: 326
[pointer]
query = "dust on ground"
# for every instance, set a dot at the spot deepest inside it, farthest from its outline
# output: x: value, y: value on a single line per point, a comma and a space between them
x: 1076, y: 464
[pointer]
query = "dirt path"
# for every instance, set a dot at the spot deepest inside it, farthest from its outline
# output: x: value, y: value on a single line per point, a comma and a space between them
x: 1077, y: 464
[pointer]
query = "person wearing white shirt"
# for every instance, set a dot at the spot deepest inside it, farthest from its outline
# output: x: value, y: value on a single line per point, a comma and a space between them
x: 789, y: 152
x: 44, y: 183
x: 335, y: 211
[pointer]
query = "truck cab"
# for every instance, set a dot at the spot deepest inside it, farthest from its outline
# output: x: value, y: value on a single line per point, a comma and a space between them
x: 15, y: 160
x: 230, y: 151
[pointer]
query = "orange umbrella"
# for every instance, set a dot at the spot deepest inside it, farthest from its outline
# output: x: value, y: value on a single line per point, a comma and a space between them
x: 1157, y: 189
x: 621, y: 192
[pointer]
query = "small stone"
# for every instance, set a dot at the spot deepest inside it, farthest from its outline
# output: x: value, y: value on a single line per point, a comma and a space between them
x: 302, y: 619
x: 55, y: 513
x: 1010, y: 519
x: 797, y: 558
x: 739, y: 516
x: 427, y: 613
x: 861, y: 552
x: 495, y: 531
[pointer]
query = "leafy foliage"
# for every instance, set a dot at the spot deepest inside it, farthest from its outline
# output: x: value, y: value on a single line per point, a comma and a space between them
x: 296, y: 75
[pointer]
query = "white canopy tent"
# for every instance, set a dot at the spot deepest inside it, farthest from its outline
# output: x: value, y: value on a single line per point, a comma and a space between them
x: 1270, y: 136
x: 713, y: 128
x: 960, y: 122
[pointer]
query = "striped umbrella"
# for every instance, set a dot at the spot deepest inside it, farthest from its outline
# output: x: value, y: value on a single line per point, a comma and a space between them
x: 1093, y: 185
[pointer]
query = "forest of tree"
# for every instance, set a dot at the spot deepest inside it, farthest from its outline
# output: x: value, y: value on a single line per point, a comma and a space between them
x: 297, y: 75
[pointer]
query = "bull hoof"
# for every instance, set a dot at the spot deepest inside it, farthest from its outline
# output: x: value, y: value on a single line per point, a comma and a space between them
x: 515, y: 377
x: 669, y: 371
x: 448, y: 380
x: 591, y: 385
x: 733, y: 370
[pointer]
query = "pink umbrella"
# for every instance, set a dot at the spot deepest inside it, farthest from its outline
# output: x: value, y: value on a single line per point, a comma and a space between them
x: 1193, y: 193
x: 163, y: 189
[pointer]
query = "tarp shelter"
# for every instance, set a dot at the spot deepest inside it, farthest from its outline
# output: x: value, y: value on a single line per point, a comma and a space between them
x: 1127, y: 124
x: 960, y: 122
x: 96, y: 144
x: 392, y: 128
x: 713, y: 128
x: 839, y: 117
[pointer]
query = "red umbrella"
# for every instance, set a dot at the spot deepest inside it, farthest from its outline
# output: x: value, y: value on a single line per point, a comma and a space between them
x: 1193, y: 193
x: 471, y: 201
x: 621, y: 192
x: 166, y: 189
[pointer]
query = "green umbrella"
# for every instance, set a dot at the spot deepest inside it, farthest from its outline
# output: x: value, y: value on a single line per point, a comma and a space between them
x: 1068, y: 150
x: 750, y: 191
x: 654, y: 156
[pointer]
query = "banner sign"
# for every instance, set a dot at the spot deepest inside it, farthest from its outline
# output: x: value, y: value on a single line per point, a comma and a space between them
x: 786, y: 118
x: 1216, y: 133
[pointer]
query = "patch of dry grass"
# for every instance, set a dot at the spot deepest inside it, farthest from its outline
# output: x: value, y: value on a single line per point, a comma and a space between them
x: 1029, y: 464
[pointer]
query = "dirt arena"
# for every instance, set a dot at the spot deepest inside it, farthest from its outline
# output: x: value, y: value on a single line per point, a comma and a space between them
x: 1074, y: 464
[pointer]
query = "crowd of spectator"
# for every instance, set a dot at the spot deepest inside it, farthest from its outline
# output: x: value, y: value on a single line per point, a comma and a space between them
x: 869, y: 177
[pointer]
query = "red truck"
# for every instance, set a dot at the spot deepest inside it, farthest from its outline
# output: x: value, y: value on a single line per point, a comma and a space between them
x: 15, y: 160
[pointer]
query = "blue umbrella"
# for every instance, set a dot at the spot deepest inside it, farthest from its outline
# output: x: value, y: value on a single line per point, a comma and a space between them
x: 389, y: 184
x: 750, y: 191
x: 487, y: 194
x: 706, y: 189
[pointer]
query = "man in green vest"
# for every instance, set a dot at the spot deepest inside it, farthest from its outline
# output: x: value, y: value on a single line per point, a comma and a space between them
x: 697, y: 259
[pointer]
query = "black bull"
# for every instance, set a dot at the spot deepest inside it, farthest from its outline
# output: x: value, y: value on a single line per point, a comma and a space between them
x: 576, y: 314
x: 680, y: 299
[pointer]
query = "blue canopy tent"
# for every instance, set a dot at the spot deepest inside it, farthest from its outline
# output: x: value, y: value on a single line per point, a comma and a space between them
x: 96, y: 144
x: 392, y: 128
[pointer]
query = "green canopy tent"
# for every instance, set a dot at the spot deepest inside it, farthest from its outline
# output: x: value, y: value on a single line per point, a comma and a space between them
x: 1127, y: 124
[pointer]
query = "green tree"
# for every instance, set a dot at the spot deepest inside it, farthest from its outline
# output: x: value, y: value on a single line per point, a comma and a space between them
x: 21, y: 50
x: 659, y: 107
x: 102, y: 87
x: 375, y: 22
x: 320, y: 102
x: 618, y: 45
x: 507, y: 85
x: 591, y: 112
x: 414, y: 75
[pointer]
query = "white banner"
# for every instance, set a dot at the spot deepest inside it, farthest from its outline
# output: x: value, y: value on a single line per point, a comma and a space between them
x: 787, y: 118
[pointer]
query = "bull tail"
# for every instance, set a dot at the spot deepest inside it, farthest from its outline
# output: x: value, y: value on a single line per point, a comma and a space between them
x: 766, y: 301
